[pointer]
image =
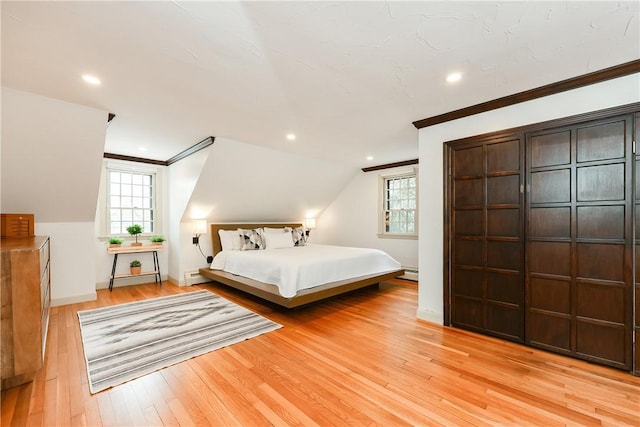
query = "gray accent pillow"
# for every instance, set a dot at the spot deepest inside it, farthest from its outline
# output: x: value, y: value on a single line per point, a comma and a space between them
x: 299, y: 237
x: 251, y: 239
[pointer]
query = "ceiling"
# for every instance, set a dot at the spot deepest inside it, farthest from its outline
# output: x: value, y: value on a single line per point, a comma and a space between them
x: 348, y: 78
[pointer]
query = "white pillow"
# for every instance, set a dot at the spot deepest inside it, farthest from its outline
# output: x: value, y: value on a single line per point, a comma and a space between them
x: 278, y: 240
x: 267, y: 230
x: 230, y: 240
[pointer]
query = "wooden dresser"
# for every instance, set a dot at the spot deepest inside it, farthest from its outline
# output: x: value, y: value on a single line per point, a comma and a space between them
x: 25, y: 285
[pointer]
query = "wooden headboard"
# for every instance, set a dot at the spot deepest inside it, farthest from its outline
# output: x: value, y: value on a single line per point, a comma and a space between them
x: 215, y: 237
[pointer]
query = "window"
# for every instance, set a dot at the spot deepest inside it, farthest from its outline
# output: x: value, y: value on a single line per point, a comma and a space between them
x: 130, y: 200
x: 399, y: 215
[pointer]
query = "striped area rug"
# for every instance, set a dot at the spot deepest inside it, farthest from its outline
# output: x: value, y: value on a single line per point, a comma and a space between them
x: 127, y: 341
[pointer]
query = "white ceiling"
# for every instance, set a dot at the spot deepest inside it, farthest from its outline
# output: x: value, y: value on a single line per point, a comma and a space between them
x: 347, y: 77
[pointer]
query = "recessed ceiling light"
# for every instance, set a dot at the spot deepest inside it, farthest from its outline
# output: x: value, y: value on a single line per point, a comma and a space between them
x: 369, y: 158
x: 92, y: 80
x: 291, y: 136
x: 454, y: 77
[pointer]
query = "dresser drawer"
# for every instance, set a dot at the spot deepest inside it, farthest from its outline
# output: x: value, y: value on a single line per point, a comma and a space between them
x: 45, y: 289
x: 44, y: 257
x: 45, y: 319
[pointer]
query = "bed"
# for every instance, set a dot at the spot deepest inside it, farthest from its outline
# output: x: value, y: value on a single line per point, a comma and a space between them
x: 271, y: 291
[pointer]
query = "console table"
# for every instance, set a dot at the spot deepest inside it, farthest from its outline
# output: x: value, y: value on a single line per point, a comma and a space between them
x: 134, y: 250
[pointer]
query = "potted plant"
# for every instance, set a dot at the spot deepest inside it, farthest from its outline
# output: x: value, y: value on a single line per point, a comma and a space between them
x: 134, y: 230
x: 157, y: 240
x: 115, y: 242
x: 135, y: 266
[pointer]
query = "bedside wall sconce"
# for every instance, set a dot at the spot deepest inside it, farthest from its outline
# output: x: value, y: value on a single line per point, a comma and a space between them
x: 309, y: 224
x: 199, y: 228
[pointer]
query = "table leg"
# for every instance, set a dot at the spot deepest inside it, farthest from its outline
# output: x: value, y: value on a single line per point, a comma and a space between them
x: 113, y: 271
x: 156, y: 267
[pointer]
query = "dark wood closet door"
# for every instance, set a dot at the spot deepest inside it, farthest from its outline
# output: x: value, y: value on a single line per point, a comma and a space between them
x: 487, y: 281
x: 579, y: 247
x: 637, y: 252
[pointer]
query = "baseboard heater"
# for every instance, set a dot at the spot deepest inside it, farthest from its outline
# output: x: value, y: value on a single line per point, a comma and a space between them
x: 194, y: 278
x: 410, y: 273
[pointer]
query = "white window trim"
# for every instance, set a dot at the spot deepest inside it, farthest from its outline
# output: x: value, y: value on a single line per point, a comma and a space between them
x: 125, y: 166
x: 381, y: 199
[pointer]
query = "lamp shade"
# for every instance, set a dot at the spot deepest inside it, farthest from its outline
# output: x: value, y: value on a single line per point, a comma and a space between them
x: 199, y: 226
x: 309, y: 223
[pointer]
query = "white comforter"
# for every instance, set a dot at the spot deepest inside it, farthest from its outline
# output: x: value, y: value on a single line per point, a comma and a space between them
x: 303, y: 267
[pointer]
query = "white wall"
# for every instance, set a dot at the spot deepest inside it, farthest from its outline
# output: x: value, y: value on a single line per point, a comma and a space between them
x: 183, y: 176
x: 621, y: 91
x: 352, y: 220
x: 51, y: 156
x: 73, y: 268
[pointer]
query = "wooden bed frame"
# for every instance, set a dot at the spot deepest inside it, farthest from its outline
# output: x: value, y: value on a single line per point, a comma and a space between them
x: 270, y: 292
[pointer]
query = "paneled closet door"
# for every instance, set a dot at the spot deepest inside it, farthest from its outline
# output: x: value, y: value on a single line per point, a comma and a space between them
x: 580, y: 240
x: 487, y: 278
x: 636, y: 364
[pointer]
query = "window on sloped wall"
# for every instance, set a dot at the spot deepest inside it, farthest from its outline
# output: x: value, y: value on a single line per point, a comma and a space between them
x: 399, y: 210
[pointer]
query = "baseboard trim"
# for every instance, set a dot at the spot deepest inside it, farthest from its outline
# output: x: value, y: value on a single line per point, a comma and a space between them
x: 430, y: 316
x: 128, y: 281
x: 74, y: 299
x: 175, y: 281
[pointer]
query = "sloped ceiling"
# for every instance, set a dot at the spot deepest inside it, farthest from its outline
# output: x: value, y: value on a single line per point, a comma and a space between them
x: 347, y: 77
x: 51, y: 157
x: 241, y: 182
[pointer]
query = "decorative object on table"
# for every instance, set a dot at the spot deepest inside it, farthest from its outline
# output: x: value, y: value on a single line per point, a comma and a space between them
x: 127, y: 341
x: 17, y: 225
x: 157, y: 240
x: 135, y: 266
x: 134, y: 230
x: 115, y: 242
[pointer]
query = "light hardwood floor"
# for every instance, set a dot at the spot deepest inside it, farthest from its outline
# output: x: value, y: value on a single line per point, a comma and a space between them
x: 359, y: 359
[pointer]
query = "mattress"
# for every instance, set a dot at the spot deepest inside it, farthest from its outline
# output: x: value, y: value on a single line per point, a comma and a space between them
x: 304, y: 267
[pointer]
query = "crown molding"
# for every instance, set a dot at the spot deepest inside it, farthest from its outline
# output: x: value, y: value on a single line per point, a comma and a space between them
x: 621, y: 70
x: 181, y: 155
